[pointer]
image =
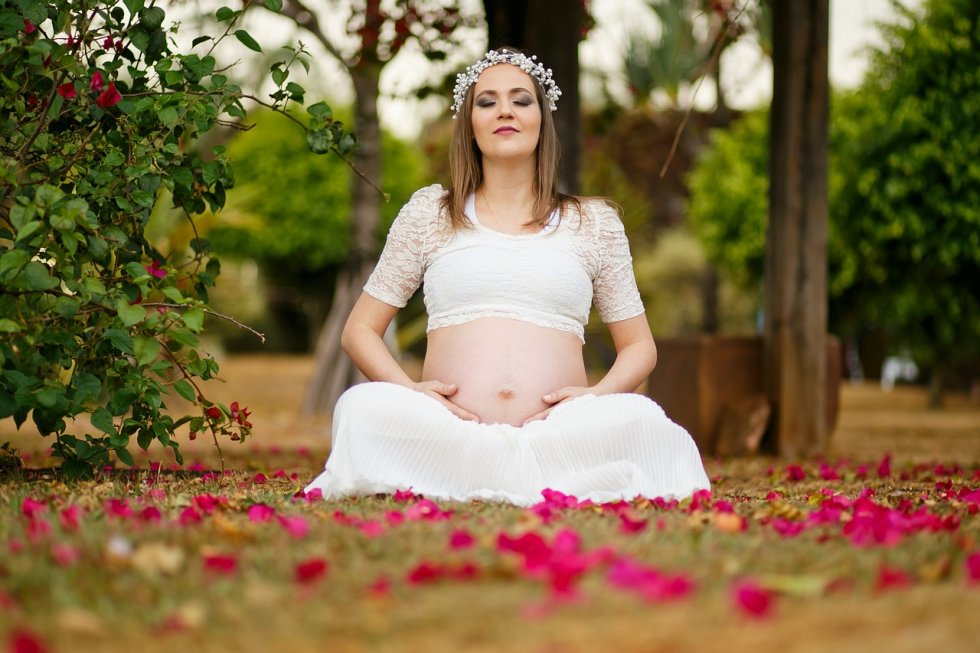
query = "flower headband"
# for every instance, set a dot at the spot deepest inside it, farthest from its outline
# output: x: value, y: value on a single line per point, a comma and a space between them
x: 529, y: 65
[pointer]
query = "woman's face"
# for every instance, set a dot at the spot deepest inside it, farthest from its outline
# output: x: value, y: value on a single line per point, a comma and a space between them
x: 506, y: 114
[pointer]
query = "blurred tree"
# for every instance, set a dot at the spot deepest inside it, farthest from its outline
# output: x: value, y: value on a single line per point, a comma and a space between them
x: 553, y: 34
x: 904, y: 186
x: 299, y: 234
x: 374, y: 34
x: 911, y: 207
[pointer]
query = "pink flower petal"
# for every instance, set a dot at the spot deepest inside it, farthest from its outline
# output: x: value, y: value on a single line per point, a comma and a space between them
x: 752, y: 600
x: 794, y: 473
x: 65, y: 555
x: 424, y: 572
x: 311, y: 570
x: 189, y: 516
x: 22, y: 640
x: 295, y: 525
x: 70, y: 517
x: 891, y: 577
x: 220, y: 564
x: 461, y: 539
x: 404, y: 496
x: 885, y: 466
x: 972, y: 564
x: 31, y: 507
x: 260, y: 512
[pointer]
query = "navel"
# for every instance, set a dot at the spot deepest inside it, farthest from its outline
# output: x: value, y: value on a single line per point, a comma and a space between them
x: 505, y: 393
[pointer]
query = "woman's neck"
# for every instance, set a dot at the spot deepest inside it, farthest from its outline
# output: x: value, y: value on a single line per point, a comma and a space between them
x: 510, y: 187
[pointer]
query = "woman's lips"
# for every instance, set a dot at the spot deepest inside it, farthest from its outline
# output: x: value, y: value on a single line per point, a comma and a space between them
x: 505, y: 130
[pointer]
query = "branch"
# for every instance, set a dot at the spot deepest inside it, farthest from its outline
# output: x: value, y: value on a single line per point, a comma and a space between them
x: 260, y: 336
x: 306, y: 18
x: 716, y: 49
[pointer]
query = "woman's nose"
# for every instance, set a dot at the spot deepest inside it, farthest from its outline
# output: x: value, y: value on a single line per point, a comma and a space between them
x: 505, y: 108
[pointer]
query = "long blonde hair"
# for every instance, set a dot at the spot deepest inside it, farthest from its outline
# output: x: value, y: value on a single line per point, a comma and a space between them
x: 466, y: 164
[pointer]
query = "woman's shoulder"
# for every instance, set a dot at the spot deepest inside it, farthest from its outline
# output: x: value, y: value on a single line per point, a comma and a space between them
x: 595, y: 212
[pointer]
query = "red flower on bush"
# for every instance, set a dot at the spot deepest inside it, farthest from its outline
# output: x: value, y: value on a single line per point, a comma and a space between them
x: 154, y: 268
x: 67, y: 90
x: 97, y: 82
x: 29, y: 27
x: 109, y: 97
x: 213, y: 412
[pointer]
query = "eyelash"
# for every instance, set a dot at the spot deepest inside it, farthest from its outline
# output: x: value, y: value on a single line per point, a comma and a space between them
x: 522, y: 102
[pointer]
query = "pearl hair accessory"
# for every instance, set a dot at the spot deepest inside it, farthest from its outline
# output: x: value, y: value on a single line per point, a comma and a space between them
x: 529, y: 65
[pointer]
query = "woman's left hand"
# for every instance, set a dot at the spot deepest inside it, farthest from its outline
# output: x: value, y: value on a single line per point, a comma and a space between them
x: 558, y: 397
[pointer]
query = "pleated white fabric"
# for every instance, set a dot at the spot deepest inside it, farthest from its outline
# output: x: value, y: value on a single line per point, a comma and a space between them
x: 387, y: 437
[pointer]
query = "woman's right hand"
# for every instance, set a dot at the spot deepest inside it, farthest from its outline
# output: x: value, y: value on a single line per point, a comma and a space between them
x: 441, y: 392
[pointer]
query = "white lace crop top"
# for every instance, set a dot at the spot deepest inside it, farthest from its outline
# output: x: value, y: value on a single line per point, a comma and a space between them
x: 549, y: 278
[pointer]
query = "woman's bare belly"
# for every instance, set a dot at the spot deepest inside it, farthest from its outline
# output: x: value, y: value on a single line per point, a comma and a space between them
x: 502, y: 368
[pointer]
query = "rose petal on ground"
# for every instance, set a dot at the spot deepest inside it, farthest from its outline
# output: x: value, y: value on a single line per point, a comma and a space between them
x: 972, y: 565
x: 751, y: 599
x: 260, y: 512
x: 31, y: 507
x: 461, y: 539
x: 219, y: 563
x: 295, y: 525
x: 891, y: 577
x: 70, y: 517
x: 65, y: 555
x: 424, y: 572
x: 22, y: 640
x: 310, y: 571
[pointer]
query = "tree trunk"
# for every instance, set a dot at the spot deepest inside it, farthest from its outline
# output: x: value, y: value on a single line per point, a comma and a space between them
x: 796, y: 260
x: 333, y: 371
x: 552, y: 31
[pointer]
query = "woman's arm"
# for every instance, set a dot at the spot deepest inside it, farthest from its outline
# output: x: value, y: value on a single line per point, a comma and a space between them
x: 362, y: 340
x: 636, y: 356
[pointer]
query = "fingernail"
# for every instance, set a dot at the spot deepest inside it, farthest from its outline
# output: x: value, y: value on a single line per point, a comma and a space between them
x: 548, y: 397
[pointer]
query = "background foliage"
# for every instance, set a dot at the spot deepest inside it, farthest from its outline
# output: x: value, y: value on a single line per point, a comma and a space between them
x: 100, y: 114
x: 904, y: 249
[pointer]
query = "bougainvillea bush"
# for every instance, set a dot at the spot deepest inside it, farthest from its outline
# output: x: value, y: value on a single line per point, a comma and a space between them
x: 99, y: 119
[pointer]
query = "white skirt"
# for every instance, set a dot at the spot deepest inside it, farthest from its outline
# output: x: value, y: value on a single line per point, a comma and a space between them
x: 387, y: 437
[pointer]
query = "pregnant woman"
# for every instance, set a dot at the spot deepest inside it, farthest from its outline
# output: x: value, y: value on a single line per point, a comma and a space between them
x: 510, y: 269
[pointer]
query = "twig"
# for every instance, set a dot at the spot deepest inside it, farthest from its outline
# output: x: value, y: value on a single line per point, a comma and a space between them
x: 260, y: 336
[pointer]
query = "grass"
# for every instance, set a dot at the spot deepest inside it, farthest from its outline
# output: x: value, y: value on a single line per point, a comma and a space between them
x: 160, y: 560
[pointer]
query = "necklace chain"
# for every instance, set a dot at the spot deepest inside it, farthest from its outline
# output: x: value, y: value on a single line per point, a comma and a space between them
x: 493, y: 217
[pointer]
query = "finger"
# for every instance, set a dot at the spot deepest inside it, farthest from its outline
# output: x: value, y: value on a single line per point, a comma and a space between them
x: 543, y: 414
x: 453, y: 408
x: 556, y: 396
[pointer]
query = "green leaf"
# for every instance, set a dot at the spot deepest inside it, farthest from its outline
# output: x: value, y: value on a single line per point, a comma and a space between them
x: 124, y: 455
x: 35, y: 276
x: 225, y: 13
x: 151, y: 19
x: 169, y: 116
x: 63, y: 222
x: 12, y: 260
x: 87, y: 388
x: 134, y: 6
x: 130, y: 314
x: 273, y: 5
x: 28, y: 230
x: 144, y: 438
x: 194, y: 319
x: 8, y: 326
x: 120, y: 340
x: 186, y: 390
x: 320, y: 110
x: 147, y: 348
x: 102, y: 420
x: 247, y: 40
x: 66, y: 307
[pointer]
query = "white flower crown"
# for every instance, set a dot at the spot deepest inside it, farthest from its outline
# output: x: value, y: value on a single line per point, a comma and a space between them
x: 529, y: 65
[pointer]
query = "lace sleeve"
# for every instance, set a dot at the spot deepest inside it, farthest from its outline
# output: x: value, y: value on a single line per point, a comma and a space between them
x: 614, y: 287
x: 398, y: 273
